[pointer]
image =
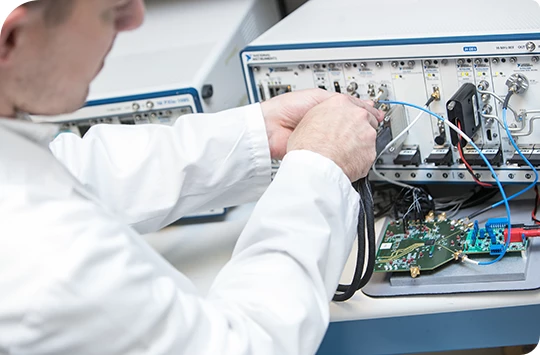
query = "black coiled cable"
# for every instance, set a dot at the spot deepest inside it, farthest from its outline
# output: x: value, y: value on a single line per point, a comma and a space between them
x: 366, y: 223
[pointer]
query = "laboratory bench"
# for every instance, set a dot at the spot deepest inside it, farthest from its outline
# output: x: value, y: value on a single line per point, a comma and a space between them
x: 367, y: 325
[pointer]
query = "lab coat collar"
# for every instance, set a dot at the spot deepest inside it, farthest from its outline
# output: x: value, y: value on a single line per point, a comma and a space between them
x: 40, y: 133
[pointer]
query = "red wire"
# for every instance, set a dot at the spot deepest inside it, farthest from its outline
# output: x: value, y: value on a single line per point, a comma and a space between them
x: 469, y: 168
x: 484, y: 184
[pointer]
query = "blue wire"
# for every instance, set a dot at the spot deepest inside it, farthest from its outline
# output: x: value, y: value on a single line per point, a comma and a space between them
x: 501, y: 189
x: 511, y: 139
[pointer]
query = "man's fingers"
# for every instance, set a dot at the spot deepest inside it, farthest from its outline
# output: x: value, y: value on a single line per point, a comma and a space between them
x: 318, y: 95
x: 373, y: 121
x: 338, y: 129
x: 368, y: 105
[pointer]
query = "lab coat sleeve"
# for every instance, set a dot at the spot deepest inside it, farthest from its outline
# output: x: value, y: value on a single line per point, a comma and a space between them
x: 152, y: 175
x: 113, y: 295
x: 287, y: 263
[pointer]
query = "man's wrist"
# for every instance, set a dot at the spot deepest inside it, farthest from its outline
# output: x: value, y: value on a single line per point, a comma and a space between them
x: 266, y: 110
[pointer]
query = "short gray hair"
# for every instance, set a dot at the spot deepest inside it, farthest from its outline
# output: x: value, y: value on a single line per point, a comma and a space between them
x: 54, y: 11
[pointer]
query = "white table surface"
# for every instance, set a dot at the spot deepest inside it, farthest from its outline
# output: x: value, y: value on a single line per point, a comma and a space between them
x: 200, y: 250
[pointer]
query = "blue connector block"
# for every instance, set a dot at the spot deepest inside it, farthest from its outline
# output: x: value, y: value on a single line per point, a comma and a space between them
x: 492, y: 235
x: 473, y: 238
x: 474, y: 233
x: 496, y: 223
x: 496, y: 249
x: 482, y: 234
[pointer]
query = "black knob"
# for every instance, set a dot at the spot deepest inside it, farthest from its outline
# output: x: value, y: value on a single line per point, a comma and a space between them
x: 440, y: 140
x: 207, y: 91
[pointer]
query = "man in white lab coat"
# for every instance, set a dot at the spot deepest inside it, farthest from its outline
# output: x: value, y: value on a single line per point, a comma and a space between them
x: 76, y: 277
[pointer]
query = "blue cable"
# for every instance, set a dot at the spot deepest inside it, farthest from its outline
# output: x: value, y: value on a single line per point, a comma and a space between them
x: 511, y: 139
x: 499, y: 185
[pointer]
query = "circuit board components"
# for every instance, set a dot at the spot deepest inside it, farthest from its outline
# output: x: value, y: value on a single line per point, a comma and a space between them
x: 417, y: 246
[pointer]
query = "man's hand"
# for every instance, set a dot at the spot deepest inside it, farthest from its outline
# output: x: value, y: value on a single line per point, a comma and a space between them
x: 342, y: 129
x: 283, y: 113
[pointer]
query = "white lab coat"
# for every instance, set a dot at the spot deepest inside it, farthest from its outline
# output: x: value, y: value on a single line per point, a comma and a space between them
x: 76, y: 277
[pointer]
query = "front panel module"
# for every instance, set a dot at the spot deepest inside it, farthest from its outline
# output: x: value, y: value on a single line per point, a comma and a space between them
x: 465, y: 63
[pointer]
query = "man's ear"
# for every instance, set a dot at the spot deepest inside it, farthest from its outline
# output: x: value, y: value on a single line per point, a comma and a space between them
x: 9, y: 36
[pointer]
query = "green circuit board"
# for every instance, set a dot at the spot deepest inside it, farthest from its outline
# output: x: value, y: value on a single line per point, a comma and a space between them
x: 482, y: 245
x: 427, y: 245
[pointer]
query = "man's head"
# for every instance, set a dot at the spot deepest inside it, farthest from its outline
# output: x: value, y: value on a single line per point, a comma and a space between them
x: 50, y: 51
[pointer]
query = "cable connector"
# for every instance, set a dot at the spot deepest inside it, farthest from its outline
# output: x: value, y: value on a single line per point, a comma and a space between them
x: 382, y: 95
x: 465, y: 259
x: 436, y: 94
x: 497, y: 223
x: 497, y: 249
x: 461, y: 256
x: 517, y: 83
